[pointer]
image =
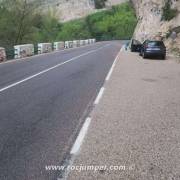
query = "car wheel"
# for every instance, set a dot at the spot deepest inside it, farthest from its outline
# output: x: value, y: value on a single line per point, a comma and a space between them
x: 144, y: 55
x: 164, y: 57
x: 140, y: 53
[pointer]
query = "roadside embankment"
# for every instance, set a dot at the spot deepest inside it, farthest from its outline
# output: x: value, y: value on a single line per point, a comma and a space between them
x: 135, y: 129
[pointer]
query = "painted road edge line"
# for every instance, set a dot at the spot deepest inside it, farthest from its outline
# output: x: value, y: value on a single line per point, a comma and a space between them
x: 123, y: 48
x: 113, y: 66
x: 76, y: 147
x: 49, y: 69
x: 84, y: 130
x: 98, y: 98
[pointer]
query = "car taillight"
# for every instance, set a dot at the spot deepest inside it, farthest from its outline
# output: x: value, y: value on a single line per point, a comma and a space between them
x: 146, y: 46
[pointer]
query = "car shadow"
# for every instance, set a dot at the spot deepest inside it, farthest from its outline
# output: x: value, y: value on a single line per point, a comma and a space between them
x: 156, y: 58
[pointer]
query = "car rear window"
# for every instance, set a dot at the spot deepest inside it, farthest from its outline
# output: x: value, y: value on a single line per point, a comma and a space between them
x: 155, y: 43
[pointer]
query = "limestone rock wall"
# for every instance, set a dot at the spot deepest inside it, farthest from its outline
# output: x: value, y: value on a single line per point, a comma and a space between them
x: 72, y: 9
x: 151, y: 25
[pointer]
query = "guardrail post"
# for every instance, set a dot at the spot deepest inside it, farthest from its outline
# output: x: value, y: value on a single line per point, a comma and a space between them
x: 2, y: 54
x: 44, y: 48
x: 75, y: 43
x: 59, y: 45
x: 25, y: 50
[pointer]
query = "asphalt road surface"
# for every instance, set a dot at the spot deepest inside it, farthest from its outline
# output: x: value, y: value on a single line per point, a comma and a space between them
x: 43, y: 103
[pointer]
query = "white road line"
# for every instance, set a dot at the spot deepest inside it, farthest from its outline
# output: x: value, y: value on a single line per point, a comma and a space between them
x: 123, y: 48
x: 112, y: 67
x: 99, y: 96
x: 76, y: 147
x: 49, y: 69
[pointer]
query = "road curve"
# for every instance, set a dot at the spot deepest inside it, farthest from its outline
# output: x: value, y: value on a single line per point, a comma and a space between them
x: 43, y: 103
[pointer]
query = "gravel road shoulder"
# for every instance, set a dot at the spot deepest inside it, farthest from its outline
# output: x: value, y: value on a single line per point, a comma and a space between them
x: 136, y: 125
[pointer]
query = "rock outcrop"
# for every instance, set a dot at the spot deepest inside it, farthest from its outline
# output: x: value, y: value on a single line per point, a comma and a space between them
x: 72, y: 9
x: 151, y: 24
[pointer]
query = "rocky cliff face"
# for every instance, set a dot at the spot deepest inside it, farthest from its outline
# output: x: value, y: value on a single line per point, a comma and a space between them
x: 151, y: 24
x: 72, y: 9
x: 149, y: 13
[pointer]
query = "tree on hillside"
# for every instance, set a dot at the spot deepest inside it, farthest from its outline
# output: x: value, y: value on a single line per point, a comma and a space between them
x: 16, y: 20
x: 76, y: 29
x: 47, y: 26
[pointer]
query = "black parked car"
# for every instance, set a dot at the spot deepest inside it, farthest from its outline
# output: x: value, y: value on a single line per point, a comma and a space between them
x: 153, y: 49
x: 135, y: 45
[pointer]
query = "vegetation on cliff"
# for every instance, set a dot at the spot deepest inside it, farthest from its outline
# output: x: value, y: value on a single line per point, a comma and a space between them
x: 116, y: 23
x: 168, y: 12
x: 21, y: 22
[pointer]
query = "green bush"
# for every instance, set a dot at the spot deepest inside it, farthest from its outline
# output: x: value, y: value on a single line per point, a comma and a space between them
x: 117, y: 23
x: 46, y: 27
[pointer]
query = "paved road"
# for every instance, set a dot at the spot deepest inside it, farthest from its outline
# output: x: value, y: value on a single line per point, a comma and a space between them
x: 43, y: 102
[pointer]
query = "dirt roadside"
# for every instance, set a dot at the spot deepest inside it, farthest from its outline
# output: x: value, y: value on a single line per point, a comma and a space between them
x: 135, y: 130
